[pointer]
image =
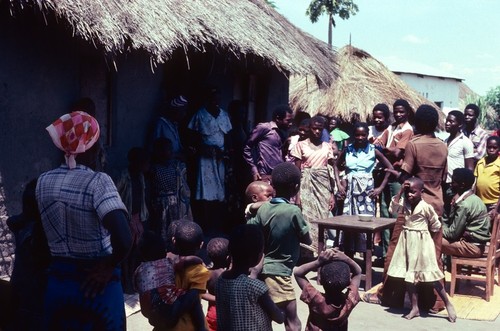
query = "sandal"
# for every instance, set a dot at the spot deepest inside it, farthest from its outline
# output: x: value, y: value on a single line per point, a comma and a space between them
x: 371, y: 298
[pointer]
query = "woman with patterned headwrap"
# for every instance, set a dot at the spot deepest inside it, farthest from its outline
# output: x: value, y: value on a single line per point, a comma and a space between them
x: 87, y: 233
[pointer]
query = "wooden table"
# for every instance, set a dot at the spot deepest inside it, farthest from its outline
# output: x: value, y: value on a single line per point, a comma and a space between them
x: 354, y: 225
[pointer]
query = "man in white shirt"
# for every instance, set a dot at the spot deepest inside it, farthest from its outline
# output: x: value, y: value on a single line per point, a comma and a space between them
x: 460, y: 152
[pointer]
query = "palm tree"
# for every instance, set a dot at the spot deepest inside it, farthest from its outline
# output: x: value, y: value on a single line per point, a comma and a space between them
x: 343, y: 8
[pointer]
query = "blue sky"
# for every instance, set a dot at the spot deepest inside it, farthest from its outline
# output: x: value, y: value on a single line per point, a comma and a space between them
x: 457, y: 38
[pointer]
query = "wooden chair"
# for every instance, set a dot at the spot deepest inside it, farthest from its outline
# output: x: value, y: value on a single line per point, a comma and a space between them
x: 479, y: 269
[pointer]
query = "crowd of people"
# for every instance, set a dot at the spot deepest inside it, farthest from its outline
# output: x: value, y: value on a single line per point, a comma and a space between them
x: 89, y: 239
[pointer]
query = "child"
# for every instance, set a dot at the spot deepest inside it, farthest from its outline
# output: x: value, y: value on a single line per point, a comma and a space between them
x: 257, y: 193
x: 132, y: 189
x: 414, y: 257
x: 487, y: 173
x: 359, y: 192
x: 284, y: 229
x: 217, y: 250
x: 170, y: 194
x: 380, y: 118
x: 162, y: 302
x: 337, y: 136
x: 243, y: 303
x: 301, y: 133
x: 330, y: 310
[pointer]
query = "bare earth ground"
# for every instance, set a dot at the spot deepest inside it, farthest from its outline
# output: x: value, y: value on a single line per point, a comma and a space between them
x: 366, y: 317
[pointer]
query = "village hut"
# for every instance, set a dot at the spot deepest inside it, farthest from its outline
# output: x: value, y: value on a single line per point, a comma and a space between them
x: 130, y: 56
x: 362, y: 83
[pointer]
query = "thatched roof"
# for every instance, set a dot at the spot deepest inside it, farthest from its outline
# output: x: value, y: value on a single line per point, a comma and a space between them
x: 362, y: 83
x: 240, y: 27
x: 464, y: 91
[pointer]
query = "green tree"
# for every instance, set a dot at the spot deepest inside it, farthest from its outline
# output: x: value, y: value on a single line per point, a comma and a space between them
x: 341, y: 8
x: 487, y: 116
x: 493, y: 99
x: 271, y: 3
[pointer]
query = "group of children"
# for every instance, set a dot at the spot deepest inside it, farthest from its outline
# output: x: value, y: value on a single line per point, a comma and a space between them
x: 249, y: 283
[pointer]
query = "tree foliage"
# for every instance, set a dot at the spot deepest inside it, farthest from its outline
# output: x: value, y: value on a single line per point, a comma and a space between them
x: 341, y: 8
x: 493, y: 99
x: 270, y: 3
x: 487, y: 116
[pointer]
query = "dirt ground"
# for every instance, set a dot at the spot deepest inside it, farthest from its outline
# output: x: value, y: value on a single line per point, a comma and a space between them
x: 366, y: 317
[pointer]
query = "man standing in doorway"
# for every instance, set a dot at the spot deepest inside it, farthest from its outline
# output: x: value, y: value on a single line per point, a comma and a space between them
x: 263, y: 150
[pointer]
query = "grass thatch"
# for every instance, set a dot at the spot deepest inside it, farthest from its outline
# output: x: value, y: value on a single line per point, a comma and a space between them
x: 241, y: 27
x: 362, y: 83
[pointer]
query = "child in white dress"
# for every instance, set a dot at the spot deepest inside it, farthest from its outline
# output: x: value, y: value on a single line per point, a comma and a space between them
x: 414, y: 258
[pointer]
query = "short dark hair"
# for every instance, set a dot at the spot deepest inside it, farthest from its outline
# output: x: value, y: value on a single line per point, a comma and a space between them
x: 151, y: 246
x: 246, y: 243
x: 474, y: 107
x: 459, y: 116
x: 188, y: 238
x: 335, y: 276
x: 384, y: 109
x: 305, y: 122
x: 426, y: 119
x: 404, y: 103
x: 495, y: 138
x: 464, y: 176
x: 284, y: 175
x: 172, y: 227
x: 281, y: 111
x: 361, y: 125
x: 416, y: 180
x: 218, y: 251
x: 317, y: 119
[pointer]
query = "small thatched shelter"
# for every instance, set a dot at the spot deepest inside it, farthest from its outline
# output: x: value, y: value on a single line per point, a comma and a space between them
x: 362, y: 83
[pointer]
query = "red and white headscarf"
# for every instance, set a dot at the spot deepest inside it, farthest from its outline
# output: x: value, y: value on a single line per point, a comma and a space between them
x: 74, y: 133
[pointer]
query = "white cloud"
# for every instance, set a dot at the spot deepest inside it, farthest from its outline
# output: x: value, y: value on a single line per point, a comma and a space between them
x: 412, y: 39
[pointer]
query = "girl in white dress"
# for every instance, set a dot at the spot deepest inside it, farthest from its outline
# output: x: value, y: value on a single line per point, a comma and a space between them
x: 414, y: 258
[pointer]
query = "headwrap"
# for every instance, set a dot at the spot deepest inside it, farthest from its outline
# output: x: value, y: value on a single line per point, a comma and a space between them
x: 178, y: 102
x: 74, y: 133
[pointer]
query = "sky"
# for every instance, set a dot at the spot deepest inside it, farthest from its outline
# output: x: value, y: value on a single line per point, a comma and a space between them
x: 454, y: 38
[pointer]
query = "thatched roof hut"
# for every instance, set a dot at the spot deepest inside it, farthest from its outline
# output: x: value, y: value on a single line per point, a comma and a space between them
x: 242, y: 28
x: 362, y: 83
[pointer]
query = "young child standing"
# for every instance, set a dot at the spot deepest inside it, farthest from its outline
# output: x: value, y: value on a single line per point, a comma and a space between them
x: 218, y: 252
x: 257, y: 193
x: 330, y: 310
x: 170, y: 196
x: 414, y: 257
x: 487, y: 173
x: 162, y: 302
x: 243, y: 302
x: 380, y: 119
x: 284, y: 230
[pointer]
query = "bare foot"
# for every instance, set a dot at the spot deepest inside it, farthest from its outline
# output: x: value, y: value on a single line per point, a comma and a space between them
x: 413, y: 313
x: 452, y: 315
